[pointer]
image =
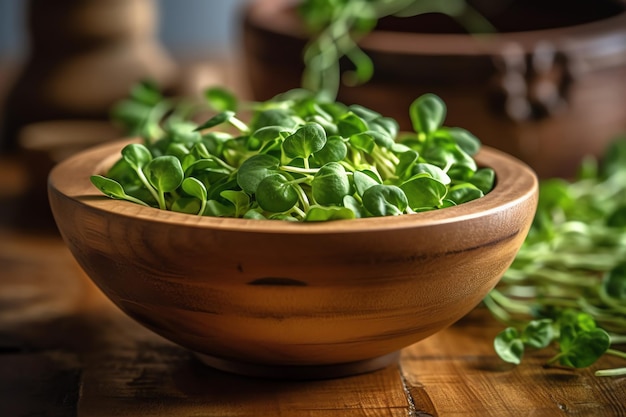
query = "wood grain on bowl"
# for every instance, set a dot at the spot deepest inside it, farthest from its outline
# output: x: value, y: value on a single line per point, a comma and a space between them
x: 278, y: 295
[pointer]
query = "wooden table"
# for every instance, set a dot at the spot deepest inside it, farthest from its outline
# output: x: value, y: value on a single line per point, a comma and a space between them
x: 65, y: 350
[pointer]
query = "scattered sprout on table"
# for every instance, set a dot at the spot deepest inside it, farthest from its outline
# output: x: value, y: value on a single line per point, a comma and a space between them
x: 567, y: 285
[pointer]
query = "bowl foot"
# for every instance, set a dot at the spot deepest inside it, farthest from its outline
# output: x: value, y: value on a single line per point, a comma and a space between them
x: 299, y: 371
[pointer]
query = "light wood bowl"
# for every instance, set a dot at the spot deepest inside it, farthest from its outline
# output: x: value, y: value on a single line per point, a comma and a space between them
x: 293, y: 300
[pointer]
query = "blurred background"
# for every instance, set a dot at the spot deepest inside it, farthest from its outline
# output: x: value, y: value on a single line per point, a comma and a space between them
x: 200, y: 28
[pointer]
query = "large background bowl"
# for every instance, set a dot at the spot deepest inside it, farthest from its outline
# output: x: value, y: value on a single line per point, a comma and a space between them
x: 282, y: 299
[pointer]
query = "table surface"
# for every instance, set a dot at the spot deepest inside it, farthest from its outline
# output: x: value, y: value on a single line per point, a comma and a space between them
x: 65, y: 350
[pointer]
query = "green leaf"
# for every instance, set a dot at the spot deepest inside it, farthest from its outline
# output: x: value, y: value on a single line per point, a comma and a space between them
x: 433, y: 171
x: 330, y: 184
x: 220, y: 99
x: 464, y: 139
x: 216, y: 209
x: 365, y: 179
x: 385, y: 200
x: 254, y: 214
x: 165, y: 173
x: 254, y: 169
x: 406, y: 162
x: 464, y: 192
x: 538, y: 333
x: 350, y: 124
x: 195, y: 188
x: 484, y: 179
x: 216, y: 120
x: 276, y: 194
x: 614, y: 283
x: 617, y: 218
x: 146, y: 92
x: 385, y: 125
x: 334, y: 150
x: 188, y: 205
x: 427, y: 113
x: 113, y: 189
x: 267, y: 134
x: 423, y: 191
x: 307, y: 140
x: 275, y: 117
x: 584, y: 348
x: 136, y: 155
x: 183, y: 132
x: 355, y: 206
x: 239, y: 199
x: 509, y: 346
x: 363, y: 142
x: 614, y: 159
x: 327, y: 213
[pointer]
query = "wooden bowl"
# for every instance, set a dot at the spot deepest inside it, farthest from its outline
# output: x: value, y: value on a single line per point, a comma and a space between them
x: 298, y: 300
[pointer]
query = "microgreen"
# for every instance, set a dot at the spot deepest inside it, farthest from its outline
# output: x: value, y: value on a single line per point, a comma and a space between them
x: 300, y: 158
x: 570, y: 270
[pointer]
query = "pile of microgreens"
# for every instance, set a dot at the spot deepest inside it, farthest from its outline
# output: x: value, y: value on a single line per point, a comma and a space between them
x: 298, y: 158
x: 567, y: 285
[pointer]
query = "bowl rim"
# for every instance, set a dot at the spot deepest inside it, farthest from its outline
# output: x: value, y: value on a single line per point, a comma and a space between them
x: 516, y: 182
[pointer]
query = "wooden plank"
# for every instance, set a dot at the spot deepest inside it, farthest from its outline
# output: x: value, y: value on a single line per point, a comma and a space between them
x: 463, y: 377
x: 165, y: 380
x: 67, y: 351
x: 38, y: 384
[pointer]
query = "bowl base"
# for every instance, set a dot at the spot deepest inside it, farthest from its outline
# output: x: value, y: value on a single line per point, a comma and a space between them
x: 303, y: 372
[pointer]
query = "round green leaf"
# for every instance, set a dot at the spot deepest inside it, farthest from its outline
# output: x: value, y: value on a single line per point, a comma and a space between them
x: 350, y: 124
x: 585, y: 348
x: 307, y: 140
x: 165, y: 173
x: 509, y: 346
x: 326, y: 213
x: 276, y: 194
x: 423, y: 191
x: 194, y: 188
x: 484, y: 179
x: 385, y: 200
x: 136, y: 155
x: 254, y: 169
x: 364, y: 180
x: 220, y: 99
x: 218, y: 119
x: 330, y: 184
x: 538, y: 333
x: 469, y: 143
x: 433, y: 171
x: 427, y: 113
x: 334, y: 150
x: 462, y: 193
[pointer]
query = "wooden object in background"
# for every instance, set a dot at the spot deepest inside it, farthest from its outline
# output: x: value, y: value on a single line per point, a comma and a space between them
x: 84, y: 55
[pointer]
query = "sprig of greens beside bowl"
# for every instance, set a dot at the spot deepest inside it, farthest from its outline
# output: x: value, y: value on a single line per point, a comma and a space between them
x: 566, y: 289
x: 299, y: 158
